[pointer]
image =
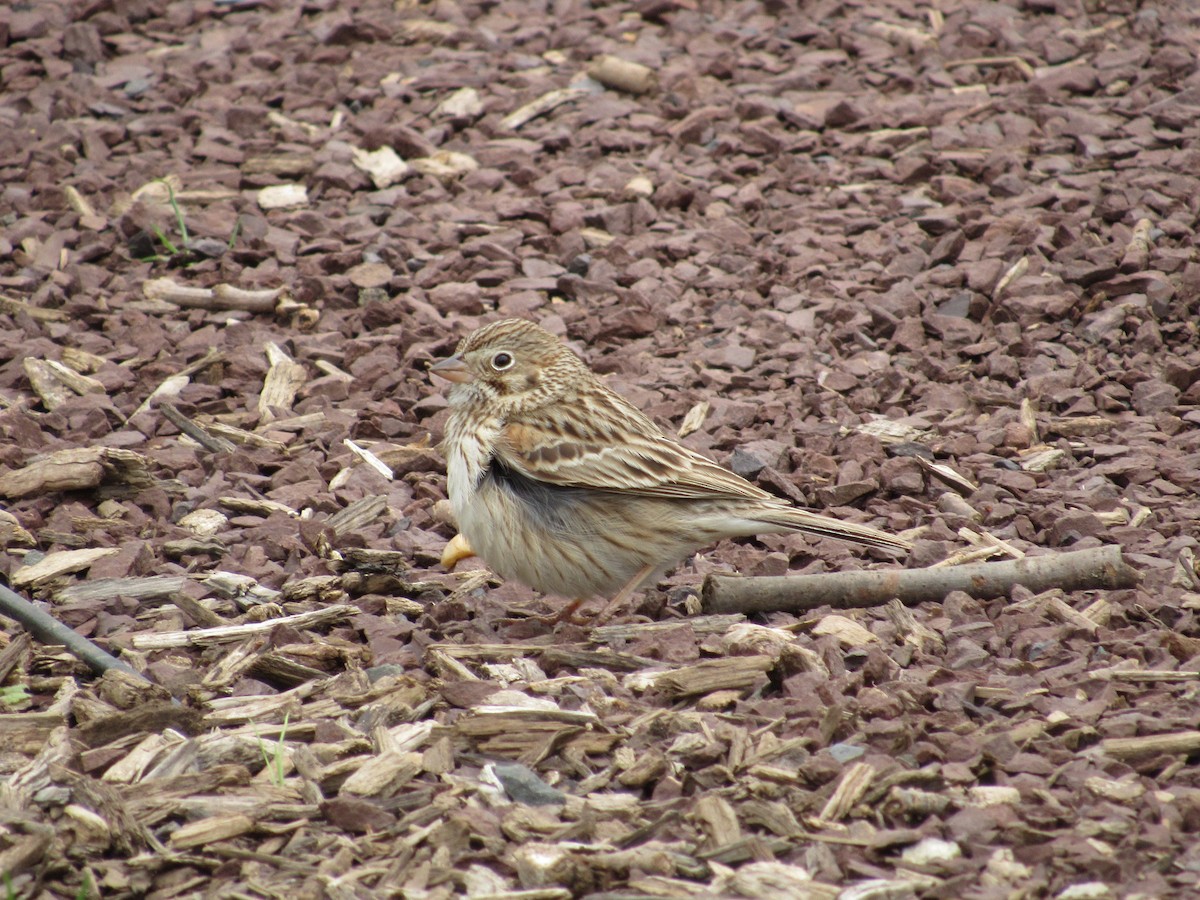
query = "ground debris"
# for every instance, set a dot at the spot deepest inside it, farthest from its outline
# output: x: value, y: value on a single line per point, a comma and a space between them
x: 932, y: 270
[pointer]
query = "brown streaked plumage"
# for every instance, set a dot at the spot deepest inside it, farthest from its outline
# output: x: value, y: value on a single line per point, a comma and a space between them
x: 564, y: 485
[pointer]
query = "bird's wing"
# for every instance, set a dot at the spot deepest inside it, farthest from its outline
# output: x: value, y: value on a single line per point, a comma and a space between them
x: 613, y: 448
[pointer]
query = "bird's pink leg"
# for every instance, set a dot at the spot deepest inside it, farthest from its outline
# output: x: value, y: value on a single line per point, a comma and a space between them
x: 624, y: 595
x: 565, y: 613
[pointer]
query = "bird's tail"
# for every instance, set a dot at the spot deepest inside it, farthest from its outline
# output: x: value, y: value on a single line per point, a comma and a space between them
x: 794, y: 519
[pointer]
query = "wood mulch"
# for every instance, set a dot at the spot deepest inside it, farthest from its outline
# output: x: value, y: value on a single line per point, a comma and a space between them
x: 928, y: 267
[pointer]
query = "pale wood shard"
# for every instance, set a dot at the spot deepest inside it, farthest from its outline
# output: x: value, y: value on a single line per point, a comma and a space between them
x: 487, y: 720
x: 282, y: 196
x: 322, y: 588
x: 208, y: 831
x: 233, y: 663
x: 1094, y: 569
x: 633, y: 631
x: 1168, y: 744
x: 1042, y: 459
x: 280, y: 165
x: 1058, y: 608
x: 12, y: 533
x: 948, y: 476
x: 774, y: 879
x: 242, y: 436
x: 694, y: 420
x: 540, y: 867
x: 195, y: 431
x: 732, y: 673
x: 1027, y: 71
x: 1015, y: 271
x: 281, y: 121
x: 231, y: 297
x: 56, y: 383
x: 850, y: 790
x: 914, y: 39
x: 284, y: 379
x: 209, y: 636
x: 986, y: 795
x: 446, y: 165
x: 1147, y: 676
x: 1028, y: 417
x: 1078, y: 426
x: 1113, y: 517
x: 257, y: 506
x: 384, y: 774
x: 133, y: 765
x: 204, y: 522
x: 77, y: 201
x: 987, y: 539
x: 14, y: 307
x: 974, y: 554
x: 539, y: 107
x: 644, y: 769
x: 1123, y: 791
x: 622, y: 74
x: 462, y: 104
x: 152, y: 587
x: 718, y: 820
x: 1099, y: 611
x: 359, y: 514
x: 76, y: 470
x: 171, y: 387
x: 370, y: 459
x: 329, y: 369
x: 242, y: 589
x: 429, y: 30
x: 61, y: 562
x: 847, y: 631
x: 49, y: 388
x: 910, y: 630
x: 596, y: 237
x: 889, y: 431
x: 295, y: 423
x: 362, y: 559
x: 200, y: 614
x: 383, y: 165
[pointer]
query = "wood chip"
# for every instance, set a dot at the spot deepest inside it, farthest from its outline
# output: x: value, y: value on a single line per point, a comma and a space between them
x: 284, y: 379
x: 61, y: 562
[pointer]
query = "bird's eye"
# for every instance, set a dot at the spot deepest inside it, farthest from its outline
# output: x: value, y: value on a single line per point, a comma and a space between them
x: 502, y: 361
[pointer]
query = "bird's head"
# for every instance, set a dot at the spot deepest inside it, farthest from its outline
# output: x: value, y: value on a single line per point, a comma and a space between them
x: 510, y: 364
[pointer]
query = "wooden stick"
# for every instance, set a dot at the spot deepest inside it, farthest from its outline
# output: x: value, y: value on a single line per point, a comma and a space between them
x: 222, y: 296
x: 196, y: 432
x: 1172, y: 744
x: 1080, y: 570
x: 540, y: 107
x: 208, y: 636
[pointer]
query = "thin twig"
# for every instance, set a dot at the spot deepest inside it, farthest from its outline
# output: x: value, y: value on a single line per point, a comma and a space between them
x: 1080, y: 570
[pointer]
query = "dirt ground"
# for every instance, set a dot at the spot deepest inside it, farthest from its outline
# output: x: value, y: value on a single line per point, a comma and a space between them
x: 930, y: 267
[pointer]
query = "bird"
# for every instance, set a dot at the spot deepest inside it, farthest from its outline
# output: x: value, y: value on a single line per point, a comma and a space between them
x: 561, y: 483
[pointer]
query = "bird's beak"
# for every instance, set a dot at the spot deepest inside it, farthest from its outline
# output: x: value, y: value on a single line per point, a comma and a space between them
x: 452, y: 368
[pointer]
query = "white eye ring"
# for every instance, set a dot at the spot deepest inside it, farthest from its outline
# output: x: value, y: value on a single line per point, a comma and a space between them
x: 502, y: 361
